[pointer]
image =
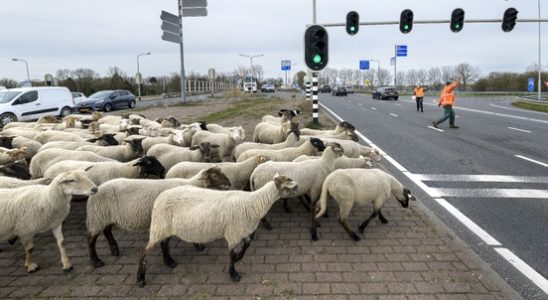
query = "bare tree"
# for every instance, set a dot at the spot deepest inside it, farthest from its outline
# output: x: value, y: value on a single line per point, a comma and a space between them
x: 62, y: 74
x: 345, y: 76
x: 422, y: 75
x: 384, y: 77
x: 467, y: 73
x: 329, y: 75
x: 357, y: 77
x: 412, y: 77
x: 434, y: 76
x: 447, y: 73
x: 258, y: 72
x: 370, y: 76
x: 400, y: 79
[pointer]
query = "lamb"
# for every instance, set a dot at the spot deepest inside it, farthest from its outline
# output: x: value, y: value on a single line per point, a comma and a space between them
x: 341, y: 127
x: 17, y: 169
x: 100, y: 172
x: 11, y: 155
x: 310, y: 147
x: 360, y: 186
x: 205, y: 152
x: 106, y: 139
x: 124, y: 153
x: 272, y: 134
x: 13, y: 183
x: 291, y: 141
x: 127, y: 204
x: 43, y: 160
x: 226, y: 143
x: 237, y: 173
x: 199, y: 216
x: 27, y: 211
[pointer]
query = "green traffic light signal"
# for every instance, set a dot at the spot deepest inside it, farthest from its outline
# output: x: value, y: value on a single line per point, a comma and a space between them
x: 457, y: 20
x: 406, y: 21
x: 317, y: 59
x: 316, y: 49
x: 352, y: 22
x: 352, y: 28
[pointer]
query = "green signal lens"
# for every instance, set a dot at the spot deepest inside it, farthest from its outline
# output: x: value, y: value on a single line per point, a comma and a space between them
x: 457, y: 26
x: 317, y: 59
x: 352, y: 28
x: 406, y: 27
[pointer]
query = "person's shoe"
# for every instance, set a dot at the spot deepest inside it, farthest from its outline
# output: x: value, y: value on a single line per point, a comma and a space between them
x: 434, y: 124
x: 453, y: 126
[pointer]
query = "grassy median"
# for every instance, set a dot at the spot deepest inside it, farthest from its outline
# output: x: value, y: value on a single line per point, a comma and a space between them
x: 541, y: 107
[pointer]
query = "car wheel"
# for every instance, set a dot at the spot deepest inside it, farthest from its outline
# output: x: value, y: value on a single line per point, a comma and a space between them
x: 396, y: 98
x: 131, y: 104
x: 65, y: 112
x: 108, y: 107
x: 7, y: 118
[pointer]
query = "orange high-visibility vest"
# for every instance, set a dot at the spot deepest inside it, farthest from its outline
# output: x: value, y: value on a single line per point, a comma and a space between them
x: 419, y: 92
x: 447, y: 96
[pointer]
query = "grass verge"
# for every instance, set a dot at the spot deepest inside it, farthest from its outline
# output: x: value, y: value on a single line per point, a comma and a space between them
x: 531, y: 106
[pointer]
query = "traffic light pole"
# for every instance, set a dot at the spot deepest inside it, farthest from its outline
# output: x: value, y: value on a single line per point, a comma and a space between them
x: 434, y: 22
x: 315, y: 106
x: 395, y: 64
x: 183, y: 85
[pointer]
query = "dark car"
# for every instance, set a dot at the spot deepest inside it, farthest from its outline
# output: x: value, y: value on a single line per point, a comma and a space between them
x: 349, y: 89
x: 268, y: 88
x: 107, y: 101
x: 339, y: 91
x: 325, y: 89
x: 386, y: 93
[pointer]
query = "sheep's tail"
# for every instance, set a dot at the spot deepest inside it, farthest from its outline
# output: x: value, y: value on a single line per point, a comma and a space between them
x: 323, y: 200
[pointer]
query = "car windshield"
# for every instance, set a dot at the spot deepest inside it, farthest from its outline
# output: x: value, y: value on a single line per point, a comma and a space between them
x: 101, y: 94
x: 7, y: 96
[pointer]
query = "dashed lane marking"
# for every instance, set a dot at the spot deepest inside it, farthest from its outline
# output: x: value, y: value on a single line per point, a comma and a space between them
x: 517, y: 129
x: 532, y: 160
x: 440, y: 130
x: 393, y: 115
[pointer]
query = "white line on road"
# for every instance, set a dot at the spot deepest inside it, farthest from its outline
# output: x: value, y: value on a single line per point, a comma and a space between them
x: 481, y: 178
x: 492, y: 193
x: 440, y: 130
x: 393, y: 115
x: 360, y: 104
x: 524, y: 268
x: 523, y: 130
x: 532, y: 160
x: 518, y: 109
x: 373, y: 108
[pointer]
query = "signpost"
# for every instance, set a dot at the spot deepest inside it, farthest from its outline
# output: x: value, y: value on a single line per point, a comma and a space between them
x: 531, y: 84
x: 400, y: 50
x: 364, y: 65
x: 286, y: 66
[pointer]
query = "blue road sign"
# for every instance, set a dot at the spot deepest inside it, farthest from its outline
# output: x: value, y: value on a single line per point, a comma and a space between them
x: 531, y: 84
x: 401, y: 50
x: 286, y: 65
x: 364, y: 65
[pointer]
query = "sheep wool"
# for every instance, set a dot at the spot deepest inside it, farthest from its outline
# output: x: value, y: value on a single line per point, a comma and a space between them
x: 44, y: 159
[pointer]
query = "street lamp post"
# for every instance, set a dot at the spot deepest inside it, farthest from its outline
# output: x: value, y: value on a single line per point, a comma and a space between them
x: 26, y: 64
x: 250, y: 60
x: 139, y: 77
x: 539, y: 62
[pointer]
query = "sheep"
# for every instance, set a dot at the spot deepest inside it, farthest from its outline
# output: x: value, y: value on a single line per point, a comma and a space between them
x: 341, y: 127
x: 360, y: 186
x: 344, y: 162
x: 29, y: 133
x: 31, y: 145
x: 310, y: 147
x: 236, y: 132
x: 169, y: 122
x: 226, y: 143
x: 170, y: 155
x: 237, y: 173
x: 44, y: 159
x: 127, y: 204
x: 199, y: 216
x: 190, y: 130
x: 54, y: 135
x: 175, y: 138
x: 13, y: 183
x: 95, y: 116
x: 272, y: 134
x: 310, y: 174
x: 283, y: 114
x: 17, y: 169
x: 27, y: 211
x: 11, y: 155
x: 101, y: 172
x: 106, y: 139
x: 121, y: 126
x: 354, y: 150
x: 124, y: 153
x: 110, y: 119
x: 290, y: 141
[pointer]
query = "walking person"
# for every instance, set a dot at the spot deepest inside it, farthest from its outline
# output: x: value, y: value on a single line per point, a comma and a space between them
x: 419, y: 96
x: 447, y: 101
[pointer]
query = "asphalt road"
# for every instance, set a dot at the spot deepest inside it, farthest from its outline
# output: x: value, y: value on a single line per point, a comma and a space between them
x: 493, y: 170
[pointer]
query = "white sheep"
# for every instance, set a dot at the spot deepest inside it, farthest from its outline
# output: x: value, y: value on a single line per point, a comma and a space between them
x: 100, y: 172
x: 170, y: 155
x: 354, y: 149
x: 344, y: 162
x: 360, y: 186
x: 271, y: 134
x: 27, y: 211
x: 13, y: 183
x: 175, y: 138
x: 283, y: 114
x: 291, y: 141
x: 29, y: 133
x: 236, y: 132
x: 124, y: 153
x: 226, y: 143
x: 11, y: 155
x: 127, y: 203
x: 54, y: 135
x: 43, y: 160
x: 341, y: 127
x: 237, y: 173
x: 199, y: 216
x: 106, y: 139
x: 310, y: 147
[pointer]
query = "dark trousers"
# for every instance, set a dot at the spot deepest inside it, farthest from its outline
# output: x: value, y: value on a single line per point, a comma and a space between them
x: 448, y: 113
x: 419, y: 104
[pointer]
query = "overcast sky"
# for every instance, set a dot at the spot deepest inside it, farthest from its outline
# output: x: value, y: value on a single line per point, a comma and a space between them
x: 98, y: 34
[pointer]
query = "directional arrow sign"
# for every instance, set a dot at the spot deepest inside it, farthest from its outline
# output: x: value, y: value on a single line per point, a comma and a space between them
x: 171, y: 28
x: 170, y: 37
x: 170, y: 18
x: 194, y: 3
x: 195, y: 12
x: 364, y: 65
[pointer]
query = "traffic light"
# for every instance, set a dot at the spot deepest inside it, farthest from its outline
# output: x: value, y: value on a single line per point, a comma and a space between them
x: 509, y: 19
x: 457, y: 20
x: 352, y: 22
x: 315, y: 47
x: 406, y: 21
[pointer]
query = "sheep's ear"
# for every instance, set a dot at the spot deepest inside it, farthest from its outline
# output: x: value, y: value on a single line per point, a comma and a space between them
x: 88, y: 168
x: 194, y: 147
x: 214, y: 146
x: 276, y: 175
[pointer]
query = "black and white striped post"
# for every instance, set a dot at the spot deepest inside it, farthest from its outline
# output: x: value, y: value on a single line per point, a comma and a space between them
x: 315, y: 106
x: 308, y: 89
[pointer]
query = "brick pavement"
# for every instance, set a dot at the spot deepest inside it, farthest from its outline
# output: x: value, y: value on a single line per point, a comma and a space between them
x: 408, y: 258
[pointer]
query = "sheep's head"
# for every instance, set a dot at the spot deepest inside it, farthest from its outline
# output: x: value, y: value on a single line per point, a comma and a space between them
x: 351, y: 136
x: 135, y: 143
x: 124, y: 123
x: 17, y: 154
x: 6, y: 141
x: 374, y: 154
x: 368, y: 163
x: 70, y: 121
x: 210, y: 153
x: 214, y: 178
x: 96, y: 115
x: 76, y: 183
x: 293, y: 138
x: 150, y: 165
x: 318, y: 144
x: 259, y: 159
x: 336, y: 147
x: 107, y: 139
x: 47, y: 119
x: 133, y: 130
x: 286, y: 186
x: 16, y: 169
x: 178, y: 137
x: 406, y: 197
x: 238, y: 133
x: 345, y: 126
x: 295, y: 128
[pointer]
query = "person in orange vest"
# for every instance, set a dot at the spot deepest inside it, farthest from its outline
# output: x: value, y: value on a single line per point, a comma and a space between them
x: 447, y: 101
x: 418, y: 92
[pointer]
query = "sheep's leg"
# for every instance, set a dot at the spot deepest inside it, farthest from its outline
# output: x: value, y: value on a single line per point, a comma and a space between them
x: 95, y: 261
x: 199, y: 247
x: 168, y: 260
x: 29, y: 261
x: 114, y: 250
x: 348, y: 229
x: 314, y: 224
x: 366, y: 222
x: 13, y: 240
x: 236, y: 256
x: 266, y: 224
x: 382, y: 218
x: 143, y: 264
x: 305, y: 202
x: 286, y: 206
x: 58, y: 233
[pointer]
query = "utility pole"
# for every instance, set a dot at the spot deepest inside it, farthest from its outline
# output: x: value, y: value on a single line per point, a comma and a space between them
x: 139, y: 77
x: 539, y: 61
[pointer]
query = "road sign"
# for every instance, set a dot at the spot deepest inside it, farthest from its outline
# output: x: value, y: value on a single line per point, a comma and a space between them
x: 364, y: 65
x: 171, y: 28
x: 531, y: 84
x: 401, y: 50
x: 194, y: 3
x: 170, y: 18
x: 286, y: 65
x: 170, y: 37
x: 195, y: 12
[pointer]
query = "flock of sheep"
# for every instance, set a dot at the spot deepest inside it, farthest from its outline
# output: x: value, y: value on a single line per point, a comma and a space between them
x: 199, y: 182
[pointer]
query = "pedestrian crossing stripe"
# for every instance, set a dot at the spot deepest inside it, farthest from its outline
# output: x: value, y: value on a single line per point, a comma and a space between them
x: 482, y: 178
x: 492, y: 193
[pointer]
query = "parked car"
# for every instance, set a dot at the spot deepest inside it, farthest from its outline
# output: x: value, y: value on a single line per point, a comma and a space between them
x: 349, y: 89
x: 325, y: 89
x: 268, y: 88
x: 31, y: 103
x: 386, y: 92
x: 107, y: 101
x: 78, y: 97
x: 339, y: 91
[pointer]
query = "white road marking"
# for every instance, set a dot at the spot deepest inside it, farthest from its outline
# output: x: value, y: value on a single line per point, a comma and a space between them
x: 532, y: 160
x: 492, y: 193
x: 482, y: 178
x: 393, y: 115
x: 522, y: 130
x: 440, y: 130
x: 397, y: 104
x: 484, y: 236
x: 360, y: 104
x: 373, y: 108
x: 524, y: 268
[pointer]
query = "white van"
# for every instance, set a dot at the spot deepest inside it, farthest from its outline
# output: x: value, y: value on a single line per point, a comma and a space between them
x: 31, y: 103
